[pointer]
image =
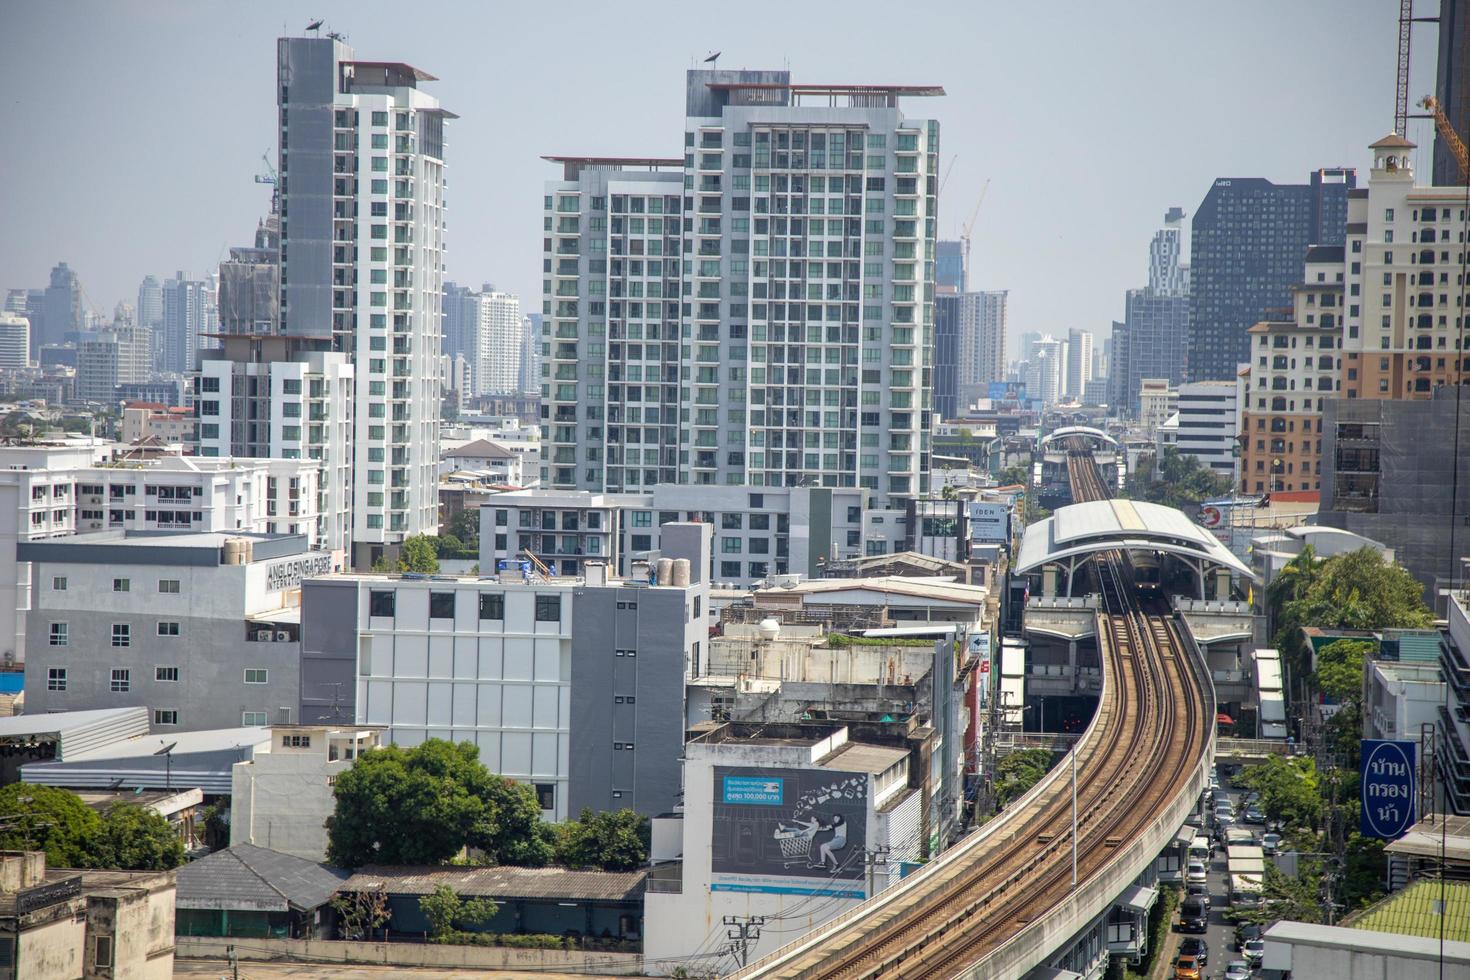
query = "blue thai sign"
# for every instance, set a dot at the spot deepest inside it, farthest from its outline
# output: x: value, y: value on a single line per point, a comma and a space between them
x: 753, y: 790
x: 1389, y: 788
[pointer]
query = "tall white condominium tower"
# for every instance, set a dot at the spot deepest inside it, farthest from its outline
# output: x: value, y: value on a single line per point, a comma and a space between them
x: 759, y: 311
x: 362, y: 240
x: 1079, y: 362
x: 495, y: 362
x: 188, y: 305
x: 980, y: 344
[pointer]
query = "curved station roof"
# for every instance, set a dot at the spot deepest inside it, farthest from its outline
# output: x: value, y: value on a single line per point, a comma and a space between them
x: 1097, y: 436
x: 1133, y: 525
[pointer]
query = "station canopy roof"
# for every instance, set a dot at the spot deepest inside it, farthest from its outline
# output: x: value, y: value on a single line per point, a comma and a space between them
x: 1132, y: 525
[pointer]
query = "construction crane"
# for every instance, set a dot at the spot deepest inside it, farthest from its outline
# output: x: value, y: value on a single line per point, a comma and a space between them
x: 1401, y: 90
x: 269, y: 177
x: 1450, y: 137
x: 965, y: 234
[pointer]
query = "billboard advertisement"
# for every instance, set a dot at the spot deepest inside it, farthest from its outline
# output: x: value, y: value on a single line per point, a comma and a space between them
x: 980, y: 650
x: 989, y: 522
x: 1389, y: 788
x: 789, y: 831
x: 1006, y: 391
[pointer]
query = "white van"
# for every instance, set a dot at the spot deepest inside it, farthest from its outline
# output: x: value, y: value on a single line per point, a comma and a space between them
x: 1200, y: 850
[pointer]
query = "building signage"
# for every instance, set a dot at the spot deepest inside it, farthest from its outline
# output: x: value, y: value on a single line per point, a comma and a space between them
x: 1389, y: 788
x: 990, y: 522
x: 44, y: 896
x: 289, y: 574
x: 1006, y: 391
x: 980, y: 650
x: 789, y: 831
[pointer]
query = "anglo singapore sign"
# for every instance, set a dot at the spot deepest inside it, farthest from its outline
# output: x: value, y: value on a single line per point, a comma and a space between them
x: 1389, y: 788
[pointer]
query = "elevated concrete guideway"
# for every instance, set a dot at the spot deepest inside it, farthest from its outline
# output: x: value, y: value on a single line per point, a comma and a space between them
x: 1058, y: 546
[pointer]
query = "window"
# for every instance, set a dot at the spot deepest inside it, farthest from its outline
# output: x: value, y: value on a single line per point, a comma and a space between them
x: 381, y: 602
x: 252, y: 719
x: 121, y: 585
x: 548, y: 609
x: 257, y: 675
x: 168, y: 675
x: 441, y: 605
x: 168, y: 586
x: 58, y: 584
x: 492, y: 605
x: 165, y: 716
x: 546, y: 795
x: 58, y: 634
x: 122, y: 635
x: 296, y: 741
x: 168, y: 629
x: 56, y: 679
x: 121, y: 680
x: 103, y: 951
x: 642, y: 518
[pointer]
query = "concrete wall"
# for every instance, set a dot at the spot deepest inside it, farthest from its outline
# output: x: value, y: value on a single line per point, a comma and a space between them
x: 53, y: 949
x: 328, y: 673
x: 281, y: 798
x: 140, y: 921
x: 414, y: 954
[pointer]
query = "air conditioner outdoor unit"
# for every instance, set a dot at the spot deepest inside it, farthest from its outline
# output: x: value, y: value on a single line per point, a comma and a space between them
x: 282, y: 636
x: 262, y: 636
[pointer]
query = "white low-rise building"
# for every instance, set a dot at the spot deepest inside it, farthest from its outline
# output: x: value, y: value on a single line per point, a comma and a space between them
x: 1401, y: 698
x: 282, y: 795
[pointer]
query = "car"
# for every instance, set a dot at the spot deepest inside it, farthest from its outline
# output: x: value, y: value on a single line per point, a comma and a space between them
x: 1196, y: 873
x: 1194, y: 915
x: 1270, y: 843
x: 1187, y: 968
x: 1199, y: 890
x: 1244, y: 934
x: 1254, y: 952
x: 1237, y: 970
x: 1196, y: 946
x: 1253, y: 814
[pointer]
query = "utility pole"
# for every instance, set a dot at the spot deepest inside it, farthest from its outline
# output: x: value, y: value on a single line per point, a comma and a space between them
x: 873, y: 857
x: 742, y: 930
x: 234, y: 962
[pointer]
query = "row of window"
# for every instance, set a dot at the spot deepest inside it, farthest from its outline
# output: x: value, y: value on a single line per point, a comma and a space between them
x: 384, y: 602
x: 122, y: 633
x: 166, y: 586
x: 121, y: 679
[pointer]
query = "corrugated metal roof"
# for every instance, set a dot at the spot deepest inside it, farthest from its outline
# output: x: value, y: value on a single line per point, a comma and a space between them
x: 862, y: 757
x: 258, y: 879
x: 503, y: 882
x: 79, y: 732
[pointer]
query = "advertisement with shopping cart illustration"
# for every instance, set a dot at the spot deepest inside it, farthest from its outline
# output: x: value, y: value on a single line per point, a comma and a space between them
x: 775, y: 825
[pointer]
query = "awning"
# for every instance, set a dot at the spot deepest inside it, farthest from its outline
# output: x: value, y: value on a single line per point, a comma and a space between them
x: 1186, y: 834
x: 1223, y: 719
x: 1138, y: 898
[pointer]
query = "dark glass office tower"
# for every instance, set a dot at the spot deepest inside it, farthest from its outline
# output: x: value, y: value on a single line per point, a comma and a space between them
x: 1452, y: 85
x: 1247, y: 241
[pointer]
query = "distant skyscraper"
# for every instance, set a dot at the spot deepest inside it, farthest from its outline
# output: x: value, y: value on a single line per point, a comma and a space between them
x: 15, y: 341
x: 1045, y: 370
x: 495, y: 361
x: 530, y: 375
x: 362, y: 240
x: 1247, y: 241
x: 792, y: 350
x: 1153, y: 339
x: 980, y: 344
x: 185, y: 308
x: 108, y: 358
x: 63, y: 315
x: 1079, y: 362
x: 949, y: 271
x: 461, y: 318
x: 249, y: 299
x: 150, y: 303
x: 946, y: 354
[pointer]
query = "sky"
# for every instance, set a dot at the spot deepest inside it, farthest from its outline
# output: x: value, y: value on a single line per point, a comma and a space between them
x: 135, y: 130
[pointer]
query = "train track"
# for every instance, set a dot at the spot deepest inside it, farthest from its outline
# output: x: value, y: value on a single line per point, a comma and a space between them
x: 1138, y: 754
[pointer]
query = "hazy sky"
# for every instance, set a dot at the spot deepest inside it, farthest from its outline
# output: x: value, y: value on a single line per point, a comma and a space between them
x: 133, y: 130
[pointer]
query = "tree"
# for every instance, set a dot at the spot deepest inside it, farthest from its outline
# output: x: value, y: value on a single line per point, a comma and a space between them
x: 1289, y: 789
x: 466, y: 527
x: 1018, y: 772
x: 448, y: 913
x: 425, y: 804
x: 612, y: 841
x: 1012, y: 475
x: 1176, y: 480
x: 44, y: 818
x: 417, y: 555
x: 136, y: 838
x: 361, y: 913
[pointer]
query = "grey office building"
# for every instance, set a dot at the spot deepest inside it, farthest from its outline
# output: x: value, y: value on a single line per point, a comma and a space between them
x: 1247, y: 240
x: 946, y: 353
x: 793, y: 345
x: 62, y: 317
x: 200, y: 628
x: 949, y: 271
x: 1153, y: 339
x: 1389, y: 472
x: 574, y: 685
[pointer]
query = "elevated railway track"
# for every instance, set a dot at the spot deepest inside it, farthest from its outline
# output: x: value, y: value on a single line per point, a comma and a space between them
x: 1004, y: 897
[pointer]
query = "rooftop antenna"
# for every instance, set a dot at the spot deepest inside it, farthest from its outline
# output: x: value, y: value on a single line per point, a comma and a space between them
x: 315, y: 26
x: 713, y: 59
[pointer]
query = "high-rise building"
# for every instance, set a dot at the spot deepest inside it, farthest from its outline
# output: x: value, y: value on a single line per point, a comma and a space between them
x: 1207, y: 412
x: 1153, y: 339
x: 362, y: 240
x: 461, y: 318
x: 1246, y: 244
x: 980, y: 344
x: 486, y: 329
x: 946, y: 354
x: 108, y: 358
x: 530, y: 373
x: 1079, y: 362
x: 186, y: 304
x: 793, y: 350
x: 63, y: 317
x: 15, y: 341
x: 250, y: 285
x: 1046, y: 369
x: 949, y: 269
x: 1452, y: 84
x: 150, y: 303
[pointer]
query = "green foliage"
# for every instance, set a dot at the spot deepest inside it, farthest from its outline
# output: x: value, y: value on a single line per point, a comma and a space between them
x: 1364, y: 868
x: 610, y: 841
x: 44, y: 818
x: 362, y: 913
x: 1012, y: 475
x: 136, y: 838
x: 216, y: 822
x: 448, y: 913
x: 1176, y: 481
x: 1018, y: 772
x: 465, y: 526
x: 1298, y: 898
x: 841, y: 640
x: 1289, y: 789
x: 417, y: 554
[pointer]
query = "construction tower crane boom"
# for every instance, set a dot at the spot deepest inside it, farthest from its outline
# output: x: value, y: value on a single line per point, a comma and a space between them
x: 965, y: 234
x: 1451, y: 138
x: 269, y: 177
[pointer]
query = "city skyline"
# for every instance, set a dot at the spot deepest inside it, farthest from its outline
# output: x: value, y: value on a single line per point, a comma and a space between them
x: 183, y: 209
